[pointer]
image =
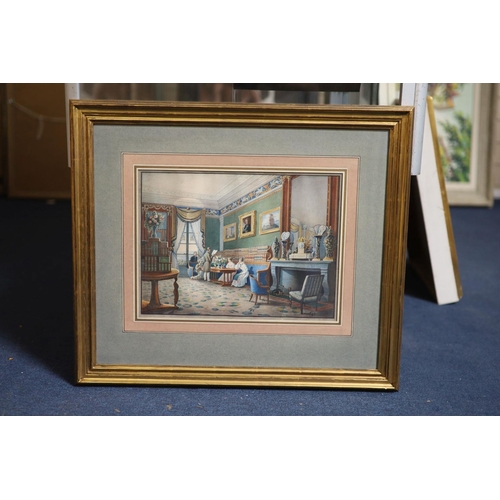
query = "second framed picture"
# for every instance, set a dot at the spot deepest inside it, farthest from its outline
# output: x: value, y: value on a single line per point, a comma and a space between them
x: 463, y: 118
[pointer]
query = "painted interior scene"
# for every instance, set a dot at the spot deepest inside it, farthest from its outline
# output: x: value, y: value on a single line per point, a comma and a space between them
x: 240, y: 245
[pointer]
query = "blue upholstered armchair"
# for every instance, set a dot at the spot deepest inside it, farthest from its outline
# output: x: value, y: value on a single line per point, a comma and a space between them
x: 261, y: 283
x: 311, y: 291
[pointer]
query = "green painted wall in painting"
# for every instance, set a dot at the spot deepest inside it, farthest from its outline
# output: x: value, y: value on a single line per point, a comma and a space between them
x: 212, y: 234
x: 262, y: 205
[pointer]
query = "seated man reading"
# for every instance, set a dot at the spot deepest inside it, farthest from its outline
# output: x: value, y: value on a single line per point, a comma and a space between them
x: 192, y: 265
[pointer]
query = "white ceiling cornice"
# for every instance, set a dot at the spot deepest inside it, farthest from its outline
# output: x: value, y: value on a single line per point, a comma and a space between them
x: 214, y: 191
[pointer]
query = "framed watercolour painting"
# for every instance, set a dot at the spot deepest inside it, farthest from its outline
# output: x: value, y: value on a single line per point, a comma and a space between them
x: 168, y: 292
x: 463, y: 113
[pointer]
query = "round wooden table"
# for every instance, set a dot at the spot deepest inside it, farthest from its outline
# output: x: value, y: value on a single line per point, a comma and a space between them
x: 154, y: 305
x: 227, y: 275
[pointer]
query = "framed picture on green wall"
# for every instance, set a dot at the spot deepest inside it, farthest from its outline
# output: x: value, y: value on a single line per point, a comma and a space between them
x: 247, y: 224
x: 230, y: 232
x: 177, y: 306
x: 270, y: 221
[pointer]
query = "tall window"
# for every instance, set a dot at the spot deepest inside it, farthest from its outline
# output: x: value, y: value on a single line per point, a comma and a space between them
x: 187, y: 246
x: 189, y: 236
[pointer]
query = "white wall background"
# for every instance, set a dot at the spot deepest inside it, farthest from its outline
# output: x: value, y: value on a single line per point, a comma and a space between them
x: 309, y: 197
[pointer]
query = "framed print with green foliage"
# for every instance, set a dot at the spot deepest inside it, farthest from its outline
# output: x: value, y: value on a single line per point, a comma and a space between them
x: 463, y: 113
x: 166, y: 294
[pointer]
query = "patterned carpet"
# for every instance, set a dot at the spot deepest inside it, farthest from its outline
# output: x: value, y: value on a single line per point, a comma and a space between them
x: 201, y: 298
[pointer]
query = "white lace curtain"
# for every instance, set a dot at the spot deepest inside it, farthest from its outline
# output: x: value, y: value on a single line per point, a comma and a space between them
x: 198, y: 236
x: 181, y: 226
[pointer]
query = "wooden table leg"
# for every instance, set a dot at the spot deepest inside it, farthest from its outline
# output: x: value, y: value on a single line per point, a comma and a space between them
x: 155, y: 306
x: 154, y: 302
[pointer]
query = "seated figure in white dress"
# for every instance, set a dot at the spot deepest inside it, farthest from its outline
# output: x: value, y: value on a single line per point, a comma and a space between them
x: 229, y: 265
x: 241, y: 276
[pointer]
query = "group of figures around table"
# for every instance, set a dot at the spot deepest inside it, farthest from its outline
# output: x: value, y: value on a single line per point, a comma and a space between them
x: 232, y: 274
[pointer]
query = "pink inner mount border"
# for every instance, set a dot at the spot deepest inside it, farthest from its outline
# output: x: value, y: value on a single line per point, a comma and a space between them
x: 284, y: 165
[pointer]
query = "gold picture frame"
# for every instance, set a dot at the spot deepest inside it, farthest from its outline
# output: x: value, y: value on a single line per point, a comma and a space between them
x: 247, y: 225
x: 230, y: 233
x: 269, y: 221
x: 361, y: 158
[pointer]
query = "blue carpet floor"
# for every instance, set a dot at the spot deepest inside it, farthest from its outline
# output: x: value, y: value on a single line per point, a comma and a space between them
x: 450, y: 355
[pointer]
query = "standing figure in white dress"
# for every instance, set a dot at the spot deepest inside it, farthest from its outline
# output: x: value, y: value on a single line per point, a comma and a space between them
x: 241, y: 276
